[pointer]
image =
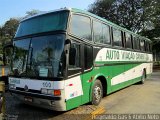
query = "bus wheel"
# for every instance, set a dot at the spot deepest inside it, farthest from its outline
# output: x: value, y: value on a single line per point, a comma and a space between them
x: 97, y: 92
x: 143, y: 78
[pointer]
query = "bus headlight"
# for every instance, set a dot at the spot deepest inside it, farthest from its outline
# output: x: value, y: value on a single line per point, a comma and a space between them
x: 44, y: 91
x: 51, y: 92
x: 47, y: 91
x: 12, y: 86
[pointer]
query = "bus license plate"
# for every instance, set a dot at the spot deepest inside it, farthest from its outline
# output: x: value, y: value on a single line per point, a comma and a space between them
x: 28, y: 99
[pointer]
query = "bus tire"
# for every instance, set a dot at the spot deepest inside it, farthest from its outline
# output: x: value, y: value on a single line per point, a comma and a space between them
x: 143, y: 77
x: 97, y: 92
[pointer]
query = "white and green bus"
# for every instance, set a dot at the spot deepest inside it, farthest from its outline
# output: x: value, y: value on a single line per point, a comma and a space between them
x: 68, y: 57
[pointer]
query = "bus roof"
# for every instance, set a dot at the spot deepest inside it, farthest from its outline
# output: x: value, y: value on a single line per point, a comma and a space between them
x: 45, y: 12
x: 75, y: 10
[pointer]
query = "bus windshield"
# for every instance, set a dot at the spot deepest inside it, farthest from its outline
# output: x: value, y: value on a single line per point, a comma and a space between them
x: 43, y: 23
x: 38, y: 56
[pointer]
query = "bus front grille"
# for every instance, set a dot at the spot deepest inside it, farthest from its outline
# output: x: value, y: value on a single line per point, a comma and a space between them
x: 29, y: 90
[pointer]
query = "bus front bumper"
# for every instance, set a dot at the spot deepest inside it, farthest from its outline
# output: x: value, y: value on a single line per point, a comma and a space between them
x: 40, y: 100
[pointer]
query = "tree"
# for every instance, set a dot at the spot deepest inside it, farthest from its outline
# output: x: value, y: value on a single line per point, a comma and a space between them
x: 151, y: 18
x: 31, y: 13
x: 125, y: 13
x: 1, y: 32
x: 10, y: 27
x: 135, y: 15
x: 101, y: 8
x: 8, y: 30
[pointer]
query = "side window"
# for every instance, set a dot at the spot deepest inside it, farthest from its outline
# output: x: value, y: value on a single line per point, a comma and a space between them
x: 150, y: 47
x: 142, y: 45
x: 117, y: 37
x: 74, y: 55
x: 101, y: 32
x: 88, y: 56
x: 81, y: 26
x: 128, y: 41
x: 147, y: 46
x: 136, y: 44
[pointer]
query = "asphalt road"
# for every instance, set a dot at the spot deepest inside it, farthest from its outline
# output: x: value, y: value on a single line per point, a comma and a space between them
x: 135, y: 99
x: 138, y: 98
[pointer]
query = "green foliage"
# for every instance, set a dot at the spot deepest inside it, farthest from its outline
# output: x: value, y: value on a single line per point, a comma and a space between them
x: 10, y: 27
x: 125, y: 13
x: 151, y: 18
x: 7, y: 31
x: 31, y: 13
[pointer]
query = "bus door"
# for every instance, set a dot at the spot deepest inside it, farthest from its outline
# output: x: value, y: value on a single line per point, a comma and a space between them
x: 73, y: 84
x: 87, y: 71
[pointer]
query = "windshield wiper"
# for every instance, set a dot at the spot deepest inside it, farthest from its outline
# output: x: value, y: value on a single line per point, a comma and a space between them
x: 31, y: 67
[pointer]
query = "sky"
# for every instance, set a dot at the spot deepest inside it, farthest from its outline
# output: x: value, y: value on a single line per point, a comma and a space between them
x: 18, y: 8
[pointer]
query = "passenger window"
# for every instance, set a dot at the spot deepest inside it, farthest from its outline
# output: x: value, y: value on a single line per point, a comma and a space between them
x: 88, y: 56
x: 150, y: 47
x: 81, y: 26
x: 117, y: 37
x: 128, y: 41
x: 142, y: 45
x: 136, y: 44
x: 147, y: 46
x: 101, y: 33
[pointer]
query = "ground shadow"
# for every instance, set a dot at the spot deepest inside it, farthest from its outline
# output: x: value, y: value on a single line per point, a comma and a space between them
x: 18, y: 110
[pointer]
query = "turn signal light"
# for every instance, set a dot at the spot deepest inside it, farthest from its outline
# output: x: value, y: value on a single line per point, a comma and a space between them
x: 57, y: 92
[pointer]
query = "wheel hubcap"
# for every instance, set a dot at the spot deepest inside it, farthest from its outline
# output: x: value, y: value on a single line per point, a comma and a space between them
x: 97, y: 93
